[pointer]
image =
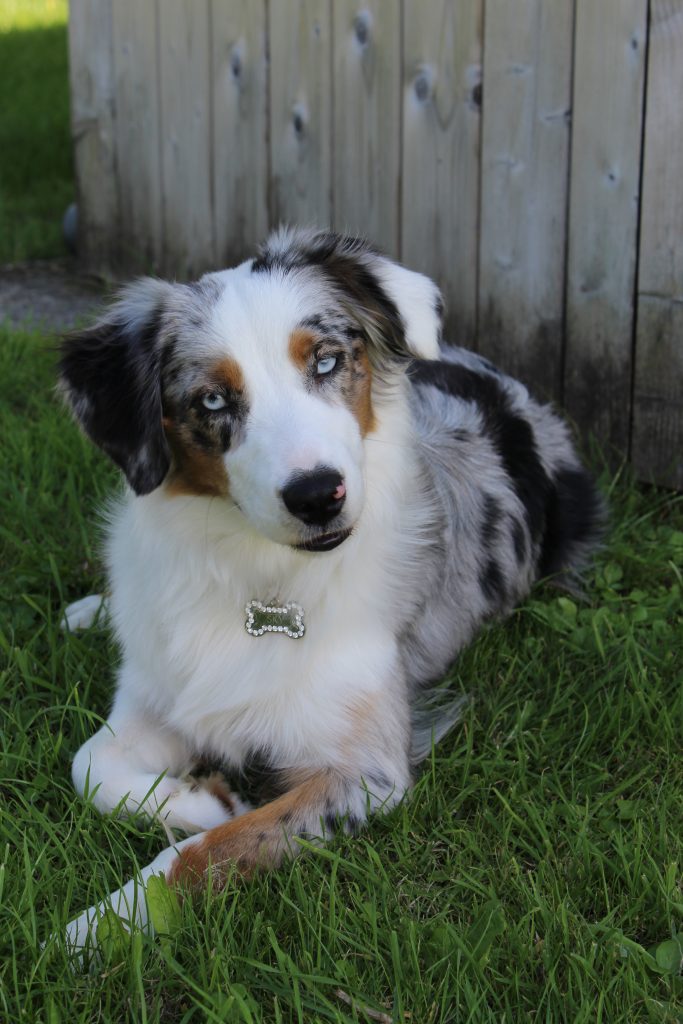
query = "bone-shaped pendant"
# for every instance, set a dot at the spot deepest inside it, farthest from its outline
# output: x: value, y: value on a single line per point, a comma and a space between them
x: 275, y: 618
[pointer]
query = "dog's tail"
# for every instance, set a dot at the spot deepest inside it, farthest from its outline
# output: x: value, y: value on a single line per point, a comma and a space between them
x: 434, y: 713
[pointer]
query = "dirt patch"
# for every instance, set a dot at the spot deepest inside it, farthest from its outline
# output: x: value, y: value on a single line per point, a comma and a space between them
x: 51, y: 296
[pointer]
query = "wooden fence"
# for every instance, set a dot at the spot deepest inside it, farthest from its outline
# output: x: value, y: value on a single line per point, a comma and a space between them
x: 528, y: 154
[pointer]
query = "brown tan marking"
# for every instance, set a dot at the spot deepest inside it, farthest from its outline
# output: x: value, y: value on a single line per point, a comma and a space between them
x: 261, y: 838
x: 301, y: 342
x: 356, y: 379
x: 197, y: 469
x: 362, y: 406
x: 194, y: 471
x: 216, y: 785
x: 227, y: 373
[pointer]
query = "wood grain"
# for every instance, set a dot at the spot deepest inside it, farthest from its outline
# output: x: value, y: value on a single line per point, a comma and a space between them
x: 657, y: 441
x: 240, y: 127
x: 525, y: 175
x: 367, y: 120
x: 93, y: 110
x: 184, y: 76
x: 301, y: 111
x: 441, y: 136
x: 140, y: 184
x: 603, y: 217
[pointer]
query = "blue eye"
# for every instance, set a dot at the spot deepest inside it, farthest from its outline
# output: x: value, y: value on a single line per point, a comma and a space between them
x: 213, y: 401
x: 326, y: 365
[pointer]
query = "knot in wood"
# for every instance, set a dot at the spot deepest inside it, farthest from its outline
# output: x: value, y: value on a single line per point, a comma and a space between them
x: 299, y: 119
x: 423, y: 85
x: 361, y: 27
x: 235, y: 64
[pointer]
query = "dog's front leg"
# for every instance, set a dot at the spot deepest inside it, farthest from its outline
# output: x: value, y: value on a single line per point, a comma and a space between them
x: 370, y: 773
x: 134, y: 764
x: 323, y: 802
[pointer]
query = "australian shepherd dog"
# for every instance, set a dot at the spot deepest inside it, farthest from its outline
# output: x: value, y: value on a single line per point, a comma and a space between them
x: 325, y: 502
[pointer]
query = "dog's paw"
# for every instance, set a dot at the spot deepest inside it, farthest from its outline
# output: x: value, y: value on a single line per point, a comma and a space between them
x: 81, y: 934
x: 197, y: 805
x: 82, y: 937
x: 89, y: 611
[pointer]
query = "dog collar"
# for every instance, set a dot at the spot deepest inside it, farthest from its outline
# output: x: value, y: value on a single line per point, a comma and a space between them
x: 275, y: 618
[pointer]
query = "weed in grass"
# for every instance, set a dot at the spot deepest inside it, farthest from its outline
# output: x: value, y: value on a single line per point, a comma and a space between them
x: 534, y: 874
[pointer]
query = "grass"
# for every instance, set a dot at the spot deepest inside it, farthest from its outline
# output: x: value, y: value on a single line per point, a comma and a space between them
x: 525, y: 879
x: 36, y: 172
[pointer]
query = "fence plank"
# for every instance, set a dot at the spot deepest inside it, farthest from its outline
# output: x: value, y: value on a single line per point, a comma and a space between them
x: 367, y: 116
x: 658, y: 404
x: 134, y: 30
x: 605, y: 168
x: 301, y: 110
x: 186, y: 137
x: 525, y: 171
x: 657, y: 444
x: 441, y: 133
x: 240, y: 127
x: 91, y: 73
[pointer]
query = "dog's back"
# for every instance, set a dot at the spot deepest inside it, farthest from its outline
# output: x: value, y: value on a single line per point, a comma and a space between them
x: 507, y: 502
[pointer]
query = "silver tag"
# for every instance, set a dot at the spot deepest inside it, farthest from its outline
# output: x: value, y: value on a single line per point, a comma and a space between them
x: 275, y: 618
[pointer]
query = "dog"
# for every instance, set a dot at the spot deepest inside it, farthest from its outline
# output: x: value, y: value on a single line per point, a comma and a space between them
x: 325, y: 503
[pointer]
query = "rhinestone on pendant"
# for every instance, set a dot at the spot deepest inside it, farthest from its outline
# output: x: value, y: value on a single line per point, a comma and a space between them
x: 287, y: 618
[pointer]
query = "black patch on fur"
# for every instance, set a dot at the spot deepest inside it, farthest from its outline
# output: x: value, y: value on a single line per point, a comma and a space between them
x: 202, y: 440
x: 111, y: 376
x: 258, y: 781
x: 439, y: 309
x: 574, y: 517
x: 331, y: 823
x: 488, y: 365
x: 335, y: 823
x: 287, y: 817
x: 225, y: 435
x: 519, y: 541
x: 490, y: 520
x: 314, y: 322
x: 461, y: 435
x: 492, y: 583
x: 340, y: 258
x: 511, y: 435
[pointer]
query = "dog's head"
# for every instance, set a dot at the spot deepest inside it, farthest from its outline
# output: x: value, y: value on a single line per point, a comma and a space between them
x: 258, y: 384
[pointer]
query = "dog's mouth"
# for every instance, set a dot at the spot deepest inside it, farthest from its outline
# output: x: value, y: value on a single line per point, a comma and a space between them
x: 326, y: 542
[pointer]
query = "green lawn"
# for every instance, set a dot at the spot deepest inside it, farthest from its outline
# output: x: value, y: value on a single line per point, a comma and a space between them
x: 36, y: 173
x: 533, y: 867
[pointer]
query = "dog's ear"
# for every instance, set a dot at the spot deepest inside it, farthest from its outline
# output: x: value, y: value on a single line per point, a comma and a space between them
x: 399, y: 310
x: 418, y: 301
x: 110, y: 375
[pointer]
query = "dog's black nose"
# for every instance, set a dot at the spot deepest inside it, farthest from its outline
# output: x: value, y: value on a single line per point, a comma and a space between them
x: 315, y: 497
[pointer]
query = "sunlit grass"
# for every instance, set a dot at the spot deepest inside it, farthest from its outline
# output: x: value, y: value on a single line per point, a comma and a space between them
x: 36, y: 173
x: 16, y: 14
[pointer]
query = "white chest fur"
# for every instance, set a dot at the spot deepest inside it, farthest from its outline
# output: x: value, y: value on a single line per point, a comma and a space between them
x: 182, y: 572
